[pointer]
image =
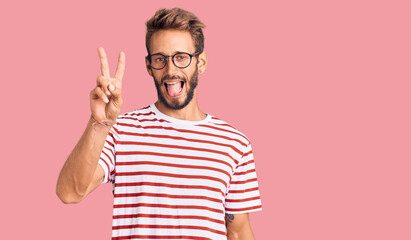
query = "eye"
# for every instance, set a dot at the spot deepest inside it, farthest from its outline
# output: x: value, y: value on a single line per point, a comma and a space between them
x: 181, y: 57
x: 159, y: 59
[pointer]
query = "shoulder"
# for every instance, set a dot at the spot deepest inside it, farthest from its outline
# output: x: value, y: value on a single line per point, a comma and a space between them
x: 228, y: 129
x: 131, y: 121
x: 136, y: 115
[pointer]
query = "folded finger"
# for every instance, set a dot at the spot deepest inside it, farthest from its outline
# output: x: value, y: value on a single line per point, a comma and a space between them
x: 98, y: 93
x: 103, y: 82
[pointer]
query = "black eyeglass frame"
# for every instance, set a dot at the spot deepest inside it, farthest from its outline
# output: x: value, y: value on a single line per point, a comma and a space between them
x: 172, y: 58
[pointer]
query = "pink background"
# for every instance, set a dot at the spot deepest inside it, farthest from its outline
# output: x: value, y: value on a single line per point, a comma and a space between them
x: 321, y: 88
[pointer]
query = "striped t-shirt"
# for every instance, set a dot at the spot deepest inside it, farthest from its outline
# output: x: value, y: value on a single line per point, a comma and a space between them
x: 176, y: 179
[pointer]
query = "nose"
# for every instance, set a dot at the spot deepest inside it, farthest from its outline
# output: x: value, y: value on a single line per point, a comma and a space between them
x: 170, y: 67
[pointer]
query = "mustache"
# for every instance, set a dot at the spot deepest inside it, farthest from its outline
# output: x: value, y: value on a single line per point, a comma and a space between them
x: 172, y: 77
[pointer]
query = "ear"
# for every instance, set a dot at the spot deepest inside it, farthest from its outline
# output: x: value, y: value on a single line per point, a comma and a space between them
x: 202, y: 62
x: 148, y: 67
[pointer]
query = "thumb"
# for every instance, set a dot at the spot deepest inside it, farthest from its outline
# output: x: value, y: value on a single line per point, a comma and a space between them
x: 114, y: 90
x: 116, y: 97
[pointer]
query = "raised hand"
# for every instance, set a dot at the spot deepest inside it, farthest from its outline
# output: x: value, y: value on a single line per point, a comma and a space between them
x: 106, y: 99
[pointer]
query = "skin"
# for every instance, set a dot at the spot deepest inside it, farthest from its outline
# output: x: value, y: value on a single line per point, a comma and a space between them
x: 238, y: 227
x: 169, y: 42
x: 81, y: 173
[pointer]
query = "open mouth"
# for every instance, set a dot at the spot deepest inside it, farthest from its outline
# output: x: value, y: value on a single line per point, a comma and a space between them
x: 174, y: 88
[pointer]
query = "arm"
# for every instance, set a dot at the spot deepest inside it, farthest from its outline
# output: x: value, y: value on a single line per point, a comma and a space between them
x: 81, y: 173
x: 238, y: 227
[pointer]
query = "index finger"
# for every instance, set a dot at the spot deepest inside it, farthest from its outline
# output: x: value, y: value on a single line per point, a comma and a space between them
x: 121, y: 65
x: 105, y: 71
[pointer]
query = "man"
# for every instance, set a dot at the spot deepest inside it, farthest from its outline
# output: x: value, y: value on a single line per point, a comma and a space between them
x: 177, y: 172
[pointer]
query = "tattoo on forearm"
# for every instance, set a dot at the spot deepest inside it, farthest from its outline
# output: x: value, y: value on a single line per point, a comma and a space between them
x: 229, y: 218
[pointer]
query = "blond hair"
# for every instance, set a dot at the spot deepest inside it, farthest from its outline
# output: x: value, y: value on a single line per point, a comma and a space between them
x: 179, y: 19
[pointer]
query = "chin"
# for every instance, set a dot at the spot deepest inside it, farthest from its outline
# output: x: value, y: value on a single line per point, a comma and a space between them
x: 175, y: 104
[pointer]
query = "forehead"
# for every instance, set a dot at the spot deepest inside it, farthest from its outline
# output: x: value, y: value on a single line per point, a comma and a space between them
x: 170, y: 41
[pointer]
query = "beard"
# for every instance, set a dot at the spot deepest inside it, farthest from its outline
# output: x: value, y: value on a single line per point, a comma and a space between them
x: 175, y: 104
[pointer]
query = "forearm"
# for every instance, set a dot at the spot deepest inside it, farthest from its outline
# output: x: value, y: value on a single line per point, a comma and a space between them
x: 238, y: 227
x: 246, y: 234
x: 78, y: 170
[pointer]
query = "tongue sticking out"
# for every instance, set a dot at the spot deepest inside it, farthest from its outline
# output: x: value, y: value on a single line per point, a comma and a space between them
x: 174, y: 89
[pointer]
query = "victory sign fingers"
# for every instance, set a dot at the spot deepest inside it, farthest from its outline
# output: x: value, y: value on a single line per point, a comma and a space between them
x: 105, y: 98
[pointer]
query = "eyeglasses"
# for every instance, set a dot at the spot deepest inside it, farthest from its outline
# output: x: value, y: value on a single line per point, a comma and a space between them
x: 181, y: 60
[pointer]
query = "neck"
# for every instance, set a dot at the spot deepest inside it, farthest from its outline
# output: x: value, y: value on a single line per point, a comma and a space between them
x: 191, y: 112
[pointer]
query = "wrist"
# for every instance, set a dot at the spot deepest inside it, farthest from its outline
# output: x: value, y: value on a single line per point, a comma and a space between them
x: 105, y: 123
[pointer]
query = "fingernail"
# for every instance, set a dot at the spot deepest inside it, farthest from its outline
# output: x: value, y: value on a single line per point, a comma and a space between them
x: 106, y: 100
x: 108, y: 93
x: 111, y: 87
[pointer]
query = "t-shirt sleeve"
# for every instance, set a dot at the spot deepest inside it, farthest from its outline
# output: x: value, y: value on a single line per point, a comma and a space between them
x: 243, y: 195
x: 108, y: 156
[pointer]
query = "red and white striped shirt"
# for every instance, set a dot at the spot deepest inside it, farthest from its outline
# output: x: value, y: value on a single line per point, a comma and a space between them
x: 176, y: 179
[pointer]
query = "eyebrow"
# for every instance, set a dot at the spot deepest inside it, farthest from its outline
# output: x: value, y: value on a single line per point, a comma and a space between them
x: 170, y: 54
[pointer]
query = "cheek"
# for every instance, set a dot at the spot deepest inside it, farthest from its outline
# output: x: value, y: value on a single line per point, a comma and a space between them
x: 156, y: 80
x: 190, y: 74
x: 157, y: 76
